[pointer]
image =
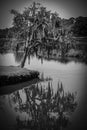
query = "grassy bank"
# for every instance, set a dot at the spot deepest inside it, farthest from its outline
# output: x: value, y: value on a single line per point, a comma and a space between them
x: 12, y: 75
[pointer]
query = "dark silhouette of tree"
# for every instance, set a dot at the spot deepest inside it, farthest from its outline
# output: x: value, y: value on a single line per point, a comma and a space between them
x: 37, y: 26
x: 42, y: 31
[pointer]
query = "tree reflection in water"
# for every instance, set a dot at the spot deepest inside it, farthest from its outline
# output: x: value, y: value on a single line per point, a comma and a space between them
x: 18, y: 56
x: 46, y: 110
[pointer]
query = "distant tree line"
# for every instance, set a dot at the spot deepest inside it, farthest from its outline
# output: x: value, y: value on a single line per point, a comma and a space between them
x: 4, y: 32
x: 79, y: 27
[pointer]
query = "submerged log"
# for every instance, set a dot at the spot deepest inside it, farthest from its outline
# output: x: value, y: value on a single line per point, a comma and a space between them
x: 12, y: 75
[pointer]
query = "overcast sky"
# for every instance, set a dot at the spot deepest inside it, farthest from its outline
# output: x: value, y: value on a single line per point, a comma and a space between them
x: 65, y: 8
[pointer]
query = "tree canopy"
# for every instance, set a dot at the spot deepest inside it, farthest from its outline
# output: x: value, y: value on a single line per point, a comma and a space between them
x: 35, y: 18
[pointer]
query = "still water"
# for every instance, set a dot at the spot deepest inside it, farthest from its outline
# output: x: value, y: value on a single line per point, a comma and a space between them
x: 73, y: 76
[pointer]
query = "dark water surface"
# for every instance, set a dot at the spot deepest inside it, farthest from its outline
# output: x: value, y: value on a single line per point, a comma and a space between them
x: 73, y: 76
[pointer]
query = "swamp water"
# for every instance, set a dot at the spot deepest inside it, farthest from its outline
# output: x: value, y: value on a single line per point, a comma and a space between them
x: 72, y: 75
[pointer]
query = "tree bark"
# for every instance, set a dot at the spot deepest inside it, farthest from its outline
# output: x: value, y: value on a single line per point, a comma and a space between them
x: 27, y: 52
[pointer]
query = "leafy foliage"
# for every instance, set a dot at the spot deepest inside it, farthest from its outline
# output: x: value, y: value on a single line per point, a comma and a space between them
x: 80, y: 26
x: 3, y: 32
x: 34, y: 18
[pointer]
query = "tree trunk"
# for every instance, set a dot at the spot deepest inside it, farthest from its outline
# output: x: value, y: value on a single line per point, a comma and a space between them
x: 24, y: 58
x: 26, y: 50
x: 28, y: 42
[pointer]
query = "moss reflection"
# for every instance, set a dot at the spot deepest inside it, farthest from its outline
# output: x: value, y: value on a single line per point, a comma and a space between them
x: 46, y: 109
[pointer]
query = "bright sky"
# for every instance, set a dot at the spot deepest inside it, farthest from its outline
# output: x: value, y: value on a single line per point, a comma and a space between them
x: 65, y: 8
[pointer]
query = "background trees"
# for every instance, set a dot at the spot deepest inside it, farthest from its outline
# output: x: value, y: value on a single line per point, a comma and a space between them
x: 80, y: 26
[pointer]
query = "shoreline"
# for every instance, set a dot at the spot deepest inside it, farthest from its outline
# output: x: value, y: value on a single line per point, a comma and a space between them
x: 8, y: 89
x: 10, y: 75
